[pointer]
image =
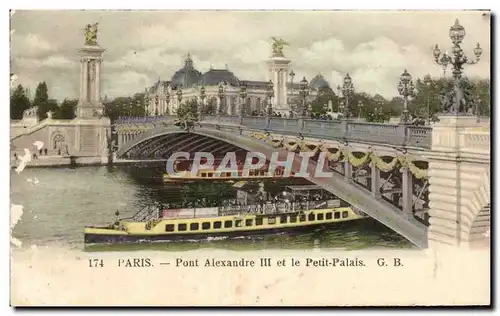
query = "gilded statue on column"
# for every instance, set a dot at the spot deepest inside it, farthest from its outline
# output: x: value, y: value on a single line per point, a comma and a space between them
x: 91, y: 34
x: 277, y: 46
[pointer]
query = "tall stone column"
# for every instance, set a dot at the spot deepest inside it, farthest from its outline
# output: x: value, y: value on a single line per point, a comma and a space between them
x: 375, y: 180
x: 407, y: 192
x: 90, y: 104
x: 278, y: 69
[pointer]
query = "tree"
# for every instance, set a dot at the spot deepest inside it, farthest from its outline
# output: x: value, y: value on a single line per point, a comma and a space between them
x: 320, y: 104
x: 19, y: 102
x: 66, y: 111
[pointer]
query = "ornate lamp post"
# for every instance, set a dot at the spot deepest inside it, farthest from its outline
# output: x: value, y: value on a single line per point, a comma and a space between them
x: 222, y: 93
x: 457, y: 34
x: 270, y: 95
x: 167, y: 99
x: 157, y: 101
x: 146, y: 105
x: 360, y: 106
x: 292, y: 75
x: 406, y: 89
x: 179, y: 96
x: 304, y: 93
x: 202, y: 105
x: 347, y: 90
x: 243, y: 96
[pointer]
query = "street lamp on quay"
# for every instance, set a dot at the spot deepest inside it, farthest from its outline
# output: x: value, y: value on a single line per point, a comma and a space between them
x: 406, y: 89
x: 292, y: 75
x: 243, y: 96
x: 221, y: 93
x: 167, y: 100
x: 179, y: 96
x: 270, y: 95
x: 202, y: 105
x: 347, y: 90
x: 157, y: 101
x: 457, y: 34
x: 304, y: 93
x: 360, y: 106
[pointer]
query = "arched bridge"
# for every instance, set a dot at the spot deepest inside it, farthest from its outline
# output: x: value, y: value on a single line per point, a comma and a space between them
x: 359, y: 176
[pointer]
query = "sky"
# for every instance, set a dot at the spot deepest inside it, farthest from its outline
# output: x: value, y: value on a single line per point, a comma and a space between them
x: 374, y: 47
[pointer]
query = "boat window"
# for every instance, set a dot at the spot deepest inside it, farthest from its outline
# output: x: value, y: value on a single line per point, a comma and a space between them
x: 302, y: 217
x: 311, y: 217
x: 271, y: 220
x: 169, y: 227
x: 205, y: 225
x: 248, y: 222
x: 258, y: 221
x: 337, y: 215
x: 238, y: 223
x: 329, y: 215
x: 283, y: 219
x: 210, y: 175
x: 217, y: 224
x: 321, y: 216
x: 203, y: 174
x: 194, y: 226
x: 181, y: 227
x: 293, y: 219
x: 228, y: 224
x: 345, y: 214
x: 228, y: 174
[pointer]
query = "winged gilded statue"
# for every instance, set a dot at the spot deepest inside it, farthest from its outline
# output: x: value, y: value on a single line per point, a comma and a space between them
x: 91, y: 34
x: 278, y: 44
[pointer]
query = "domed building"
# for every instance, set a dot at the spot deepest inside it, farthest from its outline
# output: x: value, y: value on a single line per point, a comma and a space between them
x: 187, y: 83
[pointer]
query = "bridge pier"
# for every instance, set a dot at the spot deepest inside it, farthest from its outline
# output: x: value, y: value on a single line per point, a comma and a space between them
x: 459, y: 179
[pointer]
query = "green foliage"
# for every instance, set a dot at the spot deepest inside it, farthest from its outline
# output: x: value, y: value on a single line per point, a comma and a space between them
x: 66, y: 111
x: 19, y: 102
x: 126, y: 106
x: 320, y: 104
x: 188, y: 110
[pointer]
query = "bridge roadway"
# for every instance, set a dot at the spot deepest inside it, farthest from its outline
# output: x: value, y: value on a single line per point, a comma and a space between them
x: 354, y: 194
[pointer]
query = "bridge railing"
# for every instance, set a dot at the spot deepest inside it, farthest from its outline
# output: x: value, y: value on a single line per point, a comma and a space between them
x: 391, y: 134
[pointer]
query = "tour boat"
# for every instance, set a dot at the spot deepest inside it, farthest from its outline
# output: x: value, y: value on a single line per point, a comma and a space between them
x: 224, y: 222
x: 224, y: 175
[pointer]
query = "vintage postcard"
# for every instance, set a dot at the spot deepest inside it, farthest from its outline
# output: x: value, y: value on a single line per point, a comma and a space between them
x: 250, y: 158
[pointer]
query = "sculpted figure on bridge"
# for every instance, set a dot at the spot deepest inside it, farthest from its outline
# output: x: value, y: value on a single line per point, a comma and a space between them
x: 91, y: 34
x: 277, y: 46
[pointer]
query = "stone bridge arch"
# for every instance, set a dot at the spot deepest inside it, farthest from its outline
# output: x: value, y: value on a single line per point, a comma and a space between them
x: 352, y: 193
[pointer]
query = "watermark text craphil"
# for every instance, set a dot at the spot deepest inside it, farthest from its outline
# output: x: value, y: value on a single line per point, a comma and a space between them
x: 252, y: 164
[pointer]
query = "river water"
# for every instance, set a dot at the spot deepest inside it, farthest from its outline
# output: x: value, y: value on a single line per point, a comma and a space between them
x: 59, y: 202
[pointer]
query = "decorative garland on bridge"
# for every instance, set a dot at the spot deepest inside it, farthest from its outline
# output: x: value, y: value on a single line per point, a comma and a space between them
x: 343, y: 154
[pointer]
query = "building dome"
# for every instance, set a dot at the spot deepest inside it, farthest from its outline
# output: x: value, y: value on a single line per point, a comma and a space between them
x: 319, y: 82
x: 215, y: 76
x: 186, y: 76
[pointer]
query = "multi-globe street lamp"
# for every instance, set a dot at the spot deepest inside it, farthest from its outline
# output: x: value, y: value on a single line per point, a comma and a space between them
x: 406, y: 89
x: 202, y: 105
x: 167, y: 100
x: 270, y: 95
x: 243, y: 96
x: 179, y: 97
x: 157, y: 101
x: 304, y: 93
x: 360, y: 106
x: 459, y: 59
x: 221, y: 93
x: 347, y: 90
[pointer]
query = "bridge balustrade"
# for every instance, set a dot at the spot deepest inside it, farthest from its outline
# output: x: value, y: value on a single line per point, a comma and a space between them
x: 324, y: 129
x: 284, y: 124
x: 256, y: 122
x: 419, y: 136
x: 390, y: 134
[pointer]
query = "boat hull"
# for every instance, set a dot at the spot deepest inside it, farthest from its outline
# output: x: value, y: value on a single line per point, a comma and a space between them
x: 103, y: 238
